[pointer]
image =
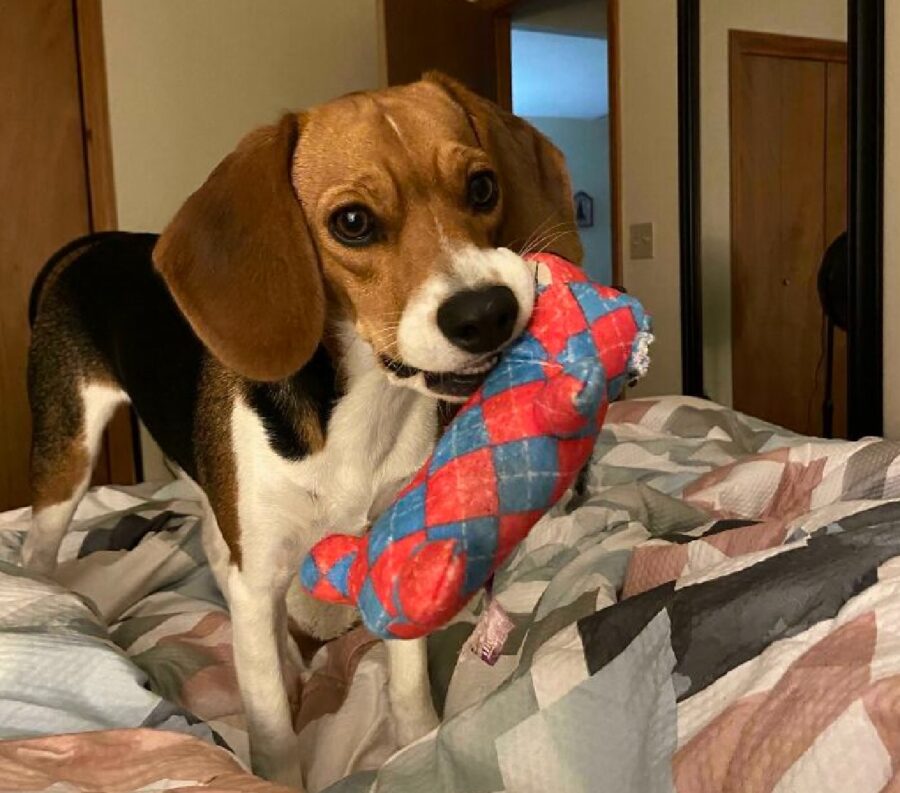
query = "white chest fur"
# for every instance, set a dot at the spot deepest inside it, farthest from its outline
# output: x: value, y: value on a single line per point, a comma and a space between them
x: 379, y: 434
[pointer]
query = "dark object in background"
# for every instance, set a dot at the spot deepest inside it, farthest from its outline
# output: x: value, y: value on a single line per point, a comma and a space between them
x: 584, y: 210
x: 833, y: 282
x: 833, y: 286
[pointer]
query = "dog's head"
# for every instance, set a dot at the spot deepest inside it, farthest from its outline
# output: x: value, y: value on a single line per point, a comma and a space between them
x: 402, y: 212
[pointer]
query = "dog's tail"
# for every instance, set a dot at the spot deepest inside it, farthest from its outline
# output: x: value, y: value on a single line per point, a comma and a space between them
x: 65, y: 254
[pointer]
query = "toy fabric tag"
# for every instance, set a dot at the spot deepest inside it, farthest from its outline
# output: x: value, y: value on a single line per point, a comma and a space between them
x: 490, y: 633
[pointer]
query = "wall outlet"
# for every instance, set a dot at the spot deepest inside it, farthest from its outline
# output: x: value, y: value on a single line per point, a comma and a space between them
x: 642, y: 241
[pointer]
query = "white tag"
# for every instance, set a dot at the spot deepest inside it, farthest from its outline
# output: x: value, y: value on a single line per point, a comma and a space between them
x: 490, y: 633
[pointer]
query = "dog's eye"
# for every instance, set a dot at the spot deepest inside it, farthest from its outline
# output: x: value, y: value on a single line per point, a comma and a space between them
x: 483, y: 191
x: 353, y: 225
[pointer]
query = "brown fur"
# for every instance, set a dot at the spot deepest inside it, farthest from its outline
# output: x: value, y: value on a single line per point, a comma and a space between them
x: 238, y: 260
x: 57, y: 472
x: 245, y: 258
x: 532, y: 171
x: 61, y: 360
x: 249, y: 274
x: 216, y: 457
x: 251, y: 263
x: 216, y: 466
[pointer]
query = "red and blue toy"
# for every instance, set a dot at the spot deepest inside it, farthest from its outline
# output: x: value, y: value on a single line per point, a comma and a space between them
x: 508, y: 456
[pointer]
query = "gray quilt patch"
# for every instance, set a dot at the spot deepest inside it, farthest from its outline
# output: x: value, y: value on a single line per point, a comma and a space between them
x: 614, y: 732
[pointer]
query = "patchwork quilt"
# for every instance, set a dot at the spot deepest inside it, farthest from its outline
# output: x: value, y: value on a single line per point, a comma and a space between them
x: 716, y: 609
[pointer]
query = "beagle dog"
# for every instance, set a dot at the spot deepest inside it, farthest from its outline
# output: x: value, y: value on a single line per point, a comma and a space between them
x: 289, y: 341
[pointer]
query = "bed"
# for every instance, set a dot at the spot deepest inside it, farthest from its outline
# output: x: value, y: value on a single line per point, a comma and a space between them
x: 717, y: 609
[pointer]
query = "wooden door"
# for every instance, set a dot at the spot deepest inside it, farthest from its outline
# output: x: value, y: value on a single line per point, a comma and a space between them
x: 788, y: 203
x: 46, y: 199
x: 462, y: 39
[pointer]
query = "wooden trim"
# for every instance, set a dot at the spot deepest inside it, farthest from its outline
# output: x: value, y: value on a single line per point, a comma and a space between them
x: 502, y: 46
x: 120, y: 448
x: 615, y: 140
x: 119, y: 442
x: 746, y: 42
x: 95, y: 113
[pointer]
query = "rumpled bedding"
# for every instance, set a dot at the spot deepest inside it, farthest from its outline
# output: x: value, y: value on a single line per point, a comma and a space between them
x: 716, y: 609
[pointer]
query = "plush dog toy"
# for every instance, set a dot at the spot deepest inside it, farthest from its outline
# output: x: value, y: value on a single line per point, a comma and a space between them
x: 511, y: 452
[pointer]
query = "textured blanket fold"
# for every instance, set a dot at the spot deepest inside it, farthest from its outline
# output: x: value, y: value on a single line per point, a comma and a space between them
x: 718, y: 611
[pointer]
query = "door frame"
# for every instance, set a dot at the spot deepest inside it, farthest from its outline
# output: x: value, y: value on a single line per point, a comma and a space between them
x: 614, y: 66
x: 865, y: 364
x: 502, y: 10
x: 120, y: 443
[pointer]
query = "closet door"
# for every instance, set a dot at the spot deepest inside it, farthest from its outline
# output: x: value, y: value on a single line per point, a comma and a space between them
x: 45, y: 202
x: 788, y: 204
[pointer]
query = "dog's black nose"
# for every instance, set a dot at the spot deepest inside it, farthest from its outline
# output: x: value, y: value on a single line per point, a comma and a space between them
x: 479, y: 320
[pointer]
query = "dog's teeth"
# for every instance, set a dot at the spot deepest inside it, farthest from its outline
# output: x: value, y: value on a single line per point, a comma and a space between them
x: 480, y: 368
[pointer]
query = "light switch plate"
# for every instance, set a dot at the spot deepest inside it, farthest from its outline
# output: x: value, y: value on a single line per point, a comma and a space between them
x: 642, y: 241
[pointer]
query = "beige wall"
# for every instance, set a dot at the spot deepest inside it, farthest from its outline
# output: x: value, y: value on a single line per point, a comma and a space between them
x: 649, y: 125
x: 891, y: 227
x: 188, y: 79
x: 649, y: 152
x: 826, y: 19
x: 649, y: 169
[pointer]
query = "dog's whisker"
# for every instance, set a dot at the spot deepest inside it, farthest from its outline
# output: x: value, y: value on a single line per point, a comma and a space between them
x: 540, y: 238
x: 554, y: 238
x: 565, y: 226
x: 383, y: 339
x: 538, y: 231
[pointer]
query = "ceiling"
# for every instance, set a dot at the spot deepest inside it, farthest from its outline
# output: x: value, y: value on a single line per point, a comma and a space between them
x: 579, y: 17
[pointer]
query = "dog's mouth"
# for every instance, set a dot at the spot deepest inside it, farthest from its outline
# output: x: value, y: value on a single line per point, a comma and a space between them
x: 456, y: 385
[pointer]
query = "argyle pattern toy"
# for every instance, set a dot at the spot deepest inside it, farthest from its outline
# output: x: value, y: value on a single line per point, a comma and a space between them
x: 509, y: 455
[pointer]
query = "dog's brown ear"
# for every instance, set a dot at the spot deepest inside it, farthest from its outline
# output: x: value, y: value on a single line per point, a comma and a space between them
x: 240, y: 263
x: 534, y: 180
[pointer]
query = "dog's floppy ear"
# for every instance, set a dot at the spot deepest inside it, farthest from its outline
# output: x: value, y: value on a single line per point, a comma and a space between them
x: 534, y: 180
x: 240, y: 263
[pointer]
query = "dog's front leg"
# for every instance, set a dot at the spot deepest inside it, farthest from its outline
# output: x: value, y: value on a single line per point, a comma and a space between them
x: 257, y: 602
x: 410, y: 690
